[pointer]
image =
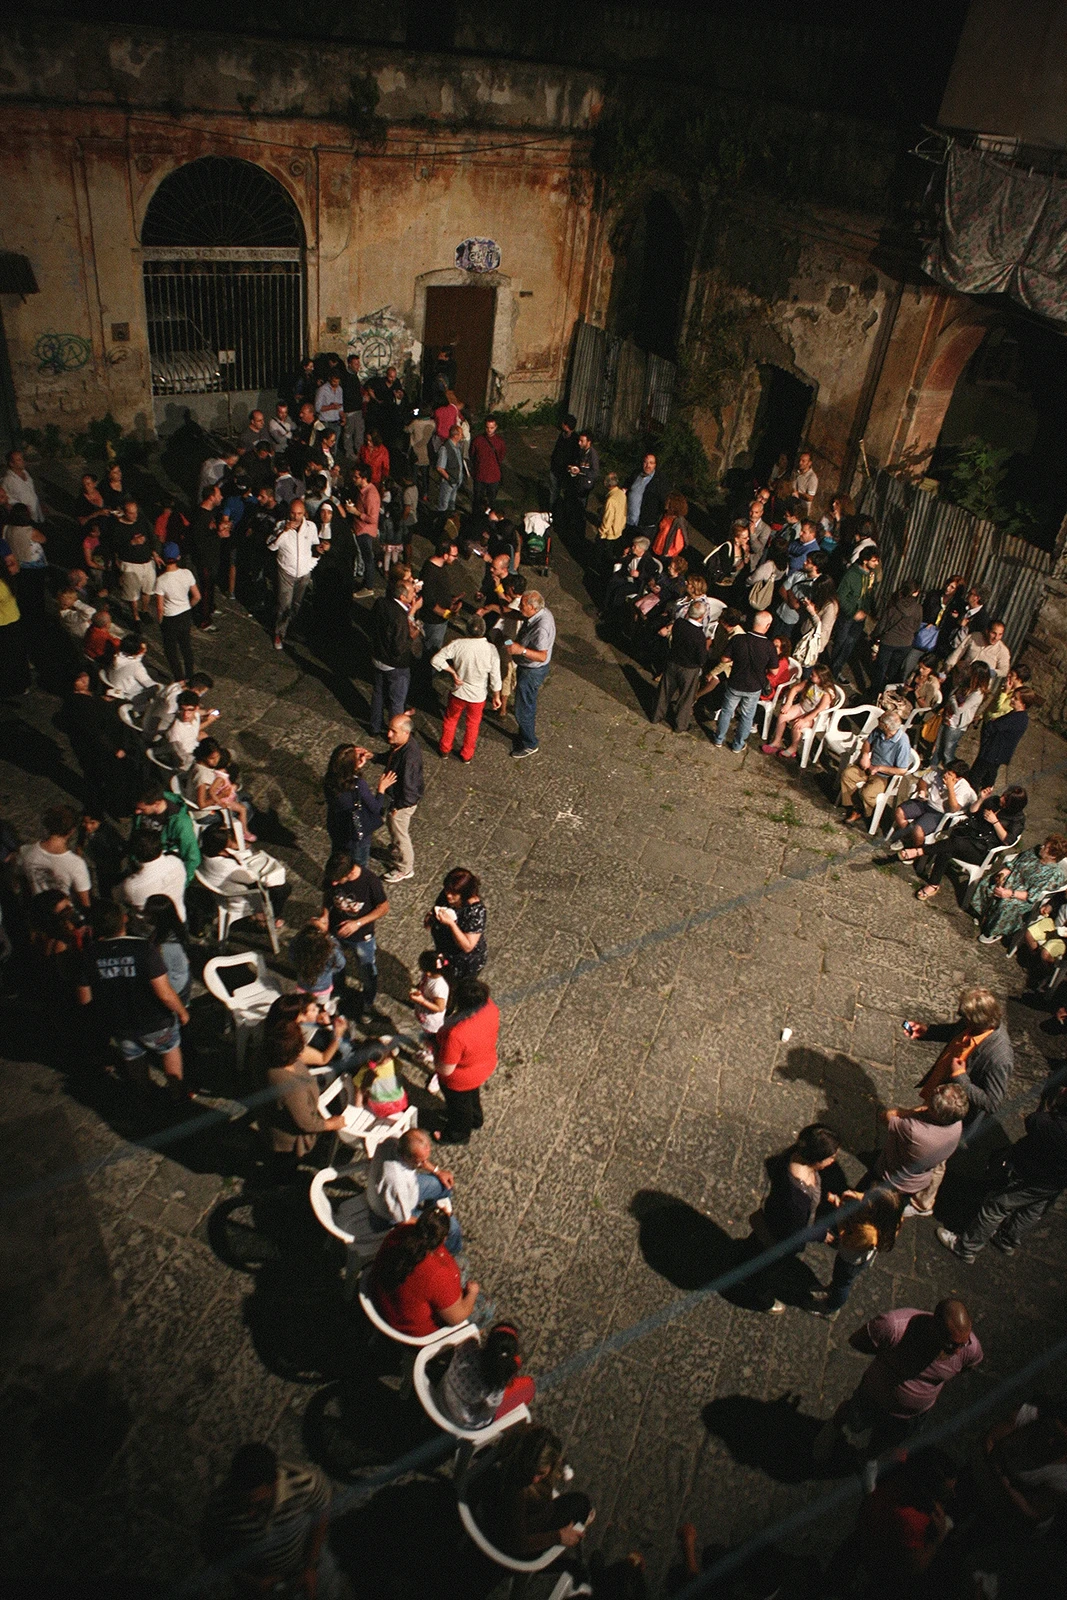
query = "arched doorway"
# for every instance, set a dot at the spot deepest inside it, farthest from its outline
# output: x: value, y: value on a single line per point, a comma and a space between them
x: 223, y: 252
x: 650, y: 302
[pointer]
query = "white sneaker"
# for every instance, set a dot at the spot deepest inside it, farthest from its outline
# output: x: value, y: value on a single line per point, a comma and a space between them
x: 396, y: 876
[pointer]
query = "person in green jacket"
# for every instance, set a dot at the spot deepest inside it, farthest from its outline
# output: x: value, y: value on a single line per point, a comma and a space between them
x: 853, y: 597
x: 168, y: 815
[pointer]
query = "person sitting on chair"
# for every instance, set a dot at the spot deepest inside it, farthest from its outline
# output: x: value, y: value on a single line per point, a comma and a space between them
x: 481, y: 1382
x: 415, y: 1283
x: 528, y: 1518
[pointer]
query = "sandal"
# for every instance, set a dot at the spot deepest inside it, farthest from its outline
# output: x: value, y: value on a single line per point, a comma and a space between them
x: 927, y: 892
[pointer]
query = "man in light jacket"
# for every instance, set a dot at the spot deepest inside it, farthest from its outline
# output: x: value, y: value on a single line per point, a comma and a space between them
x: 474, y: 665
x: 297, y: 550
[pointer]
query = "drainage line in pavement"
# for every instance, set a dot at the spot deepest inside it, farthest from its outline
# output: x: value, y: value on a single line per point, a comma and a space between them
x: 438, y: 1449
x: 855, y: 1484
x: 205, y: 1120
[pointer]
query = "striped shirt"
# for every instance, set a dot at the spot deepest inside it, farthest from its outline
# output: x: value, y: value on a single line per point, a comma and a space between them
x: 267, y: 1539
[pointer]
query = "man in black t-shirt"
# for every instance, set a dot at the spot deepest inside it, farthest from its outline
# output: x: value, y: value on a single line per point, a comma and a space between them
x: 126, y: 983
x: 437, y: 599
x: 752, y: 655
x: 353, y: 900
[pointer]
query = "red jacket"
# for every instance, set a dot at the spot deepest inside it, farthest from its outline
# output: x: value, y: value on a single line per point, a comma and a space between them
x: 487, y: 457
x: 469, y: 1045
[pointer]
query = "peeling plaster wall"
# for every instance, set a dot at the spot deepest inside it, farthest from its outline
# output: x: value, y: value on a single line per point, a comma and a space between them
x: 380, y: 223
x: 816, y: 307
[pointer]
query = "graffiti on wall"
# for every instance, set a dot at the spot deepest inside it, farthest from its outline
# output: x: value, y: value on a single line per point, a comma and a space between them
x: 382, y: 339
x: 62, y: 352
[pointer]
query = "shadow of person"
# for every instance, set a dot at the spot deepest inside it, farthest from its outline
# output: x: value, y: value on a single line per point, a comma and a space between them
x: 34, y: 753
x: 680, y: 1243
x: 361, y: 1422
x: 407, y: 1540
x: 691, y: 1251
x: 773, y: 1435
x: 851, y: 1094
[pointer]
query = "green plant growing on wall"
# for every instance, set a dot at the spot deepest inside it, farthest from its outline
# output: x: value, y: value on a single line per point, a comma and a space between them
x: 360, y: 112
x: 976, y: 479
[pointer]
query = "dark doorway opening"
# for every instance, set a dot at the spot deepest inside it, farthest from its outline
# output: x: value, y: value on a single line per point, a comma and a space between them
x: 461, y: 320
x: 649, y: 304
x: 782, y: 412
x: 10, y: 432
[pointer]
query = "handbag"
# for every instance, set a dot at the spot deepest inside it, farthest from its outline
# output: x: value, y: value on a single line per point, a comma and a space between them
x: 926, y: 637
x: 932, y: 726
x: 806, y: 651
x: 761, y: 594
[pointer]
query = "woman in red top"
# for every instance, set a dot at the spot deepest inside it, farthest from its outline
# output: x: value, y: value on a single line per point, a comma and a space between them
x: 465, y: 1056
x: 375, y: 457
x: 415, y: 1282
x: 672, y: 535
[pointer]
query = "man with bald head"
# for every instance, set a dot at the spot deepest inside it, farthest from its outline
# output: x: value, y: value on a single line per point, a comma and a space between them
x: 405, y: 760
x: 531, y: 652
x: 915, y: 1354
x: 752, y: 655
x: 404, y: 1177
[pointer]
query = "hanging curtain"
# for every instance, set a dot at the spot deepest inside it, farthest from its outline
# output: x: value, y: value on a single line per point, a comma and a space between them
x: 1003, y: 231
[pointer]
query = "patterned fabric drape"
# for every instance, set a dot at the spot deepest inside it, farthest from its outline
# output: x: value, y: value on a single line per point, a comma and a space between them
x: 1003, y: 231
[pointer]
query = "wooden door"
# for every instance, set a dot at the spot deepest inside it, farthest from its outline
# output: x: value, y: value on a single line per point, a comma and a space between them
x: 462, y: 320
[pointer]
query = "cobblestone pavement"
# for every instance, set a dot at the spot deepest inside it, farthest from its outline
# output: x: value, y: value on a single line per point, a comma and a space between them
x: 659, y: 913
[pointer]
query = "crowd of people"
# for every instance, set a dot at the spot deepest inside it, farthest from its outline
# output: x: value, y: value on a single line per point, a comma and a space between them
x: 317, y: 507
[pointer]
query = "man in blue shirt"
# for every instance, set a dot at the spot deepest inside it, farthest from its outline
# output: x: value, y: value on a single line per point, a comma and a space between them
x: 806, y: 544
x: 883, y: 755
x: 645, y: 497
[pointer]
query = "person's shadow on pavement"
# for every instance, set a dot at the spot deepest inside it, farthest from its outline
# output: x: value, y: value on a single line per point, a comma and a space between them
x: 773, y: 1435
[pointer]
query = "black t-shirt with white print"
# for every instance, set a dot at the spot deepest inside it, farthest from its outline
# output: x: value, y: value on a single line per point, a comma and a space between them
x: 352, y: 898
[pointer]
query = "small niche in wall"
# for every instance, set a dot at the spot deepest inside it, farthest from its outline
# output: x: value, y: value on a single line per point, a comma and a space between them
x: 120, y: 333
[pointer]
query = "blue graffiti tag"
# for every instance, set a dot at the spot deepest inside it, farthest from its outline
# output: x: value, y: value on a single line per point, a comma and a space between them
x: 62, y: 352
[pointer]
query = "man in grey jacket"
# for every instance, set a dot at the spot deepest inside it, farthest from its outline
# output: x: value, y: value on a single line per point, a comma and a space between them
x: 977, y: 1042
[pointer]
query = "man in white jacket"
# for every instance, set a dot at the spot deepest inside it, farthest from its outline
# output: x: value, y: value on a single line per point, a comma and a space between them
x: 297, y: 547
x: 474, y: 665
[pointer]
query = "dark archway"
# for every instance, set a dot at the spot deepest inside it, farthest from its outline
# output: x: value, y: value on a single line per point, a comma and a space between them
x: 221, y: 201
x: 782, y: 412
x: 650, y: 302
x: 223, y: 246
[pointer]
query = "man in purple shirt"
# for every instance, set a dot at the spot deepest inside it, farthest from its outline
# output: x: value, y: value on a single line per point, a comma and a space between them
x: 915, y: 1354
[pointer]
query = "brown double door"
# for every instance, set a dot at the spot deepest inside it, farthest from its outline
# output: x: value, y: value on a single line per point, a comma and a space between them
x: 462, y: 320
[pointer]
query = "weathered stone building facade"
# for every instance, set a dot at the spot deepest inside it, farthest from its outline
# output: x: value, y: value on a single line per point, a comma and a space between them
x: 391, y: 163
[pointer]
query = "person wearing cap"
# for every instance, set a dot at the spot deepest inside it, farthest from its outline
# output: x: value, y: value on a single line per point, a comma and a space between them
x: 176, y: 594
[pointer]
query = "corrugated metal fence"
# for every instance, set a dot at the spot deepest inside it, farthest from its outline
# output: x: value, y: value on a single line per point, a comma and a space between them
x: 616, y: 389
x: 925, y: 537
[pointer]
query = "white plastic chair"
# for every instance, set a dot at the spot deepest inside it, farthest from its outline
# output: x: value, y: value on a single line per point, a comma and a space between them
x: 832, y: 736
x: 170, y: 777
x: 889, y: 793
x: 466, y: 1474
x: 379, y: 1324
x: 428, y: 1400
x: 247, y: 1005
x: 362, y: 1126
x: 362, y: 1245
x: 128, y: 714
x: 973, y: 871
x: 234, y: 905
x: 767, y: 708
